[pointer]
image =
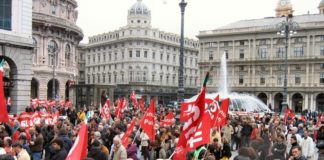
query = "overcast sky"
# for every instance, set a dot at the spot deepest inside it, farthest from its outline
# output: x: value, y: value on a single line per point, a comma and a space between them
x: 99, y: 16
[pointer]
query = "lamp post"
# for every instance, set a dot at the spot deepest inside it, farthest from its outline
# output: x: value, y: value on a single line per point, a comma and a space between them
x: 287, y: 28
x: 181, y: 90
x: 53, y: 50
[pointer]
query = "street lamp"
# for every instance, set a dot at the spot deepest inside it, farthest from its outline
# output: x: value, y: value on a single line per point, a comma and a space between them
x: 181, y: 90
x: 53, y: 50
x: 286, y: 28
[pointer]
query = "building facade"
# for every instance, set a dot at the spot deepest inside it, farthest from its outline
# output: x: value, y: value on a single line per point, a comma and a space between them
x: 138, y: 57
x: 16, y: 50
x: 256, y: 58
x: 54, y: 58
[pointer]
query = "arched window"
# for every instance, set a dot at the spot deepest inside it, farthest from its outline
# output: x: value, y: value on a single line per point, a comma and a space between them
x: 67, y: 55
x: 34, y: 55
x: 52, y: 48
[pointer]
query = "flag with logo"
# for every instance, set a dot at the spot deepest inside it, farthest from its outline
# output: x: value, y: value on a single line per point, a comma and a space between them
x: 167, y: 121
x: 289, y: 114
x: 222, y: 114
x: 80, y: 146
x: 134, y: 99
x: 3, y: 106
x: 148, y: 121
x: 141, y: 104
x: 105, y: 110
x: 196, y: 131
x: 129, y: 132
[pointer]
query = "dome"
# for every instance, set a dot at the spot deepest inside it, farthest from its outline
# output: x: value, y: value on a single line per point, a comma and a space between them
x: 139, y: 8
x: 321, y: 5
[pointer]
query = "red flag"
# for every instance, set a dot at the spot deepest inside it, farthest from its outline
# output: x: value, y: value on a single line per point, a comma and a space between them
x: 24, y: 119
x: 168, y: 120
x: 303, y: 118
x: 319, y: 120
x: 148, y: 121
x: 194, y: 132
x: 186, y: 111
x: 79, y: 148
x: 289, y: 113
x: 36, y: 118
x: 134, y: 99
x: 3, y: 106
x: 180, y: 153
x: 129, y: 131
x: 105, y: 110
x: 222, y: 114
x: 141, y: 104
x: 217, y: 98
x: 68, y: 103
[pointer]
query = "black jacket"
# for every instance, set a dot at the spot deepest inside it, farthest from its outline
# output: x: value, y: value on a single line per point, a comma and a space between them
x: 97, y: 154
x: 59, y: 155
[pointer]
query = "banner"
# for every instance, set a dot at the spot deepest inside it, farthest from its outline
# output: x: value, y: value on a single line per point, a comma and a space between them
x: 80, y: 146
x: 3, y: 105
x: 148, y: 121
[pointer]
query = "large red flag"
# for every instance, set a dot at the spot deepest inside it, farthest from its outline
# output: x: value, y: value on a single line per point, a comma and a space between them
x: 80, y: 146
x: 134, y: 99
x: 222, y: 113
x: 105, y: 110
x: 289, y: 114
x: 3, y: 106
x: 168, y: 120
x: 194, y: 132
x: 129, y: 131
x: 148, y: 121
x: 141, y: 104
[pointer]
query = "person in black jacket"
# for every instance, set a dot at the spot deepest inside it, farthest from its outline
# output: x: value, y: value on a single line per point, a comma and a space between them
x: 246, y: 133
x: 60, y: 152
x: 226, y: 151
x: 279, y: 148
x: 95, y: 151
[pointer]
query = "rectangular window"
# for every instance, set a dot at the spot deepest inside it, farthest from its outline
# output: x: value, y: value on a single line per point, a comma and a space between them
x: 109, y: 56
x: 153, y: 55
x: 226, y: 53
x: 174, y: 58
x: 168, y: 57
x: 241, y: 43
x: 98, y: 57
x: 115, y: 56
x: 109, y: 78
x: 161, y: 56
x: 103, y: 78
x: 262, y: 80
x: 279, y: 80
x: 130, y: 54
x: 322, y: 78
x: 93, y: 59
x: 241, y: 53
x: 297, y: 79
x: 145, y: 54
x: 88, y: 58
x: 298, y: 51
x: 262, y: 53
x: 5, y: 14
x: 104, y: 57
x: 241, y: 68
x: 322, y: 50
x: 281, y: 52
x: 241, y: 79
x: 98, y: 78
x: 153, y: 77
x: 322, y: 65
x: 138, y: 53
x: 210, y: 55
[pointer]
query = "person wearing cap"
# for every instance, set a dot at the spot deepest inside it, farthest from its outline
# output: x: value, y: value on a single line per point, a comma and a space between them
x: 119, y: 151
x: 59, y: 150
x: 22, y: 154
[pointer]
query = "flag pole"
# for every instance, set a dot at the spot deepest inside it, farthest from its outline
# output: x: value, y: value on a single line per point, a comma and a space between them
x: 171, y: 155
x: 136, y: 134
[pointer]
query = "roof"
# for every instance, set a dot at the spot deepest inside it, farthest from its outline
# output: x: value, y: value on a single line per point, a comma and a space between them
x: 308, y: 18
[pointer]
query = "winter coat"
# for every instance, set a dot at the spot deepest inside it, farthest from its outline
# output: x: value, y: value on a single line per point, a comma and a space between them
x: 278, y: 150
x: 59, y: 155
x: 97, y: 154
x: 132, y: 151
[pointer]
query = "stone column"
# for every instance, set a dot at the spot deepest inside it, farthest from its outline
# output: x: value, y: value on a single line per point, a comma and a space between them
x: 305, y: 103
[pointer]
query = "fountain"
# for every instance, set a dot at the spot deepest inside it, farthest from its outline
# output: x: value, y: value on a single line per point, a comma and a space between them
x: 240, y: 102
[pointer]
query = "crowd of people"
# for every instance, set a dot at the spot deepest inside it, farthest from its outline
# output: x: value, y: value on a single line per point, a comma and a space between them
x: 268, y: 137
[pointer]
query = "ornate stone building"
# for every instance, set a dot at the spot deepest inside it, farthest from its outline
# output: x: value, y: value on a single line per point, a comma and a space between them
x: 141, y: 58
x: 255, y: 55
x: 56, y: 37
x: 15, y: 49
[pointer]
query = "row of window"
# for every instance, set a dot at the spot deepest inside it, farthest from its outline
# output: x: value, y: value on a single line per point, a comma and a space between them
x: 5, y: 14
x: 138, y: 76
x: 140, y: 32
x: 139, y: 54
x: 260, y: 41
x: 264, y: 54
x: 154, y: 67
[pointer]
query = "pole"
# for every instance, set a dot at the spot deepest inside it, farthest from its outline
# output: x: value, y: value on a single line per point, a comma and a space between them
x: 181, y: 90
x: 53, y: 83
x: 285, y: 96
